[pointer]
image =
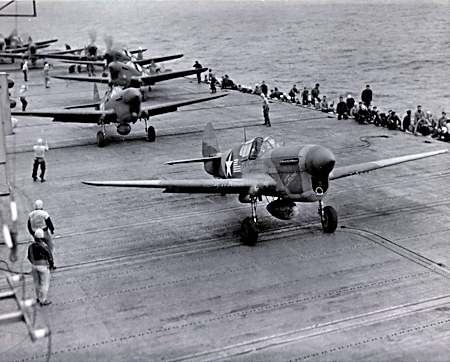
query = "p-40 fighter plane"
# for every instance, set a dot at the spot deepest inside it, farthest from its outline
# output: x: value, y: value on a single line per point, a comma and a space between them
x: 121, y: 107
x: 30, y: 52
x: 133, y: 75
x: 110, y: 56
x: 15, y: 44
x: 261, y: 167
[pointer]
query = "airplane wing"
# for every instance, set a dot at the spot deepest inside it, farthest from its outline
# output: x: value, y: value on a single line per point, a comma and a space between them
x: 24, y: 49
x: 18, y: 53
x: 44, y: 42
x: 374, y: 165
x: 173, y: 106
x: 104, y: 80
x: 159, y: 77
x: 146, y: 79
x: 227, y: 186
x: 72, y: 116
x: 100, y: 63
x: 158, y: 60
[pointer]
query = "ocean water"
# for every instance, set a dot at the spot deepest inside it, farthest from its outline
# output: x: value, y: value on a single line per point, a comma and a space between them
x: 400, y: 47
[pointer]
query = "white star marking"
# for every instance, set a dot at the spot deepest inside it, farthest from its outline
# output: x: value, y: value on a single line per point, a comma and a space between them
x: 229, y: 163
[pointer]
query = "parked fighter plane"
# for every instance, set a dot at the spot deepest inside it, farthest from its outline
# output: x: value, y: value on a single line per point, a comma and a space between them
x: 132, y: 75
x: 260, y: 167
x: 15, y: 44
x: 123, y: 56
x: 30, y: 52
x: 121, y: 107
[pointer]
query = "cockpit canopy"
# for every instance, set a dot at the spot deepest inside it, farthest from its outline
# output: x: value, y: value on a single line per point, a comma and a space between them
x: 257, y: 147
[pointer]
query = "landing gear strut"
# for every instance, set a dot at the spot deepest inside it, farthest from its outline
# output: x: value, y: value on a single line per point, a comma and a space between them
x: 328, y: 217
x: 101, y: 135
x: 249, y: 229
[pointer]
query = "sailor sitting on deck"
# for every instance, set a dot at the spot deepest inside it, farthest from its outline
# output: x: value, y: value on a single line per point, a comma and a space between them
x: 324, y: 107
x: 227, y: 83
x: 275, y: 93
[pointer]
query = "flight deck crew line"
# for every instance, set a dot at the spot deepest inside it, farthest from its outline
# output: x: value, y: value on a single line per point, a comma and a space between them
x: 424, y: 124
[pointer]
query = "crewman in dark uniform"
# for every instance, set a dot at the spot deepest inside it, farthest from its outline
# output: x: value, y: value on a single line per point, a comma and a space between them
x: 197, y: 65
x: 41, y: 260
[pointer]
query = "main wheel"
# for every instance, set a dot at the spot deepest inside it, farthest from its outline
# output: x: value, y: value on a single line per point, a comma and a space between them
x: 329, y: 219
x: 100, y: 139
x: 249, y: 232
x: 151, y: 134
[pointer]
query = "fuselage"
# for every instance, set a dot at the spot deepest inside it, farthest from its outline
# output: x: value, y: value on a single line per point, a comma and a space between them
x: 125, y: 75
x: 301, y: 172
x: 126, y: 104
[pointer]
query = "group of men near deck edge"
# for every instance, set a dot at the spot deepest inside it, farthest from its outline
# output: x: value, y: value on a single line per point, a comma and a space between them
x: 418, y: 123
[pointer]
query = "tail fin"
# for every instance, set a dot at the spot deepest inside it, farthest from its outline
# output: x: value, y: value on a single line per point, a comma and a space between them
x: 210, y: 146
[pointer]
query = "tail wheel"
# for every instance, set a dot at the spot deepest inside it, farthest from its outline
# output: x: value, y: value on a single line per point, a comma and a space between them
x: 151, y: 134
x: 249, y: 232
x: 329, y: 219
x: 100, y: 139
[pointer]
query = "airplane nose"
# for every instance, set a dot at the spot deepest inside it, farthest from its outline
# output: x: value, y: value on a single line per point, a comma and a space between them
x: 319, y: 161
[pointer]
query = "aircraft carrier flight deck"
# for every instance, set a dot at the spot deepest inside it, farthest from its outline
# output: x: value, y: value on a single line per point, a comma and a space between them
x: 145, y: 275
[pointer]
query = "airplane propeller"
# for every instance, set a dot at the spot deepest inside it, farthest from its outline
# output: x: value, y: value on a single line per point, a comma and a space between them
x: 319, y: 161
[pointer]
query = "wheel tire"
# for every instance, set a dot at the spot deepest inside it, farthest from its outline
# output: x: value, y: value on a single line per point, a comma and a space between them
x: 151, y: 134
x: 249, y: 232
x: 100, y: 139
x: 329, y: 220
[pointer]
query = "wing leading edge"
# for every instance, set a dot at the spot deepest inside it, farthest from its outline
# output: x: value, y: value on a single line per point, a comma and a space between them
x: 227, y: 186
x: 73, y: 116
x: 374, y: 165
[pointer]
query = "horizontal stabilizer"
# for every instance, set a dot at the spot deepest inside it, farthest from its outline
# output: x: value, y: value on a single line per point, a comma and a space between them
x: 374, y: 165
x: 98, y: 63
x: 87, y: 105
x: 191, y: 160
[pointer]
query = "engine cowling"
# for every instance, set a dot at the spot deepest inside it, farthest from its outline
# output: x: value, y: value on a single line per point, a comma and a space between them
x: 123, y: 129
x: 283, y: 209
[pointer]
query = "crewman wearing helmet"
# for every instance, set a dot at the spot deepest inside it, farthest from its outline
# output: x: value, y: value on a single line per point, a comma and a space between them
x: 40, y: 219
x: 41, y: 260
x: 39, y: 159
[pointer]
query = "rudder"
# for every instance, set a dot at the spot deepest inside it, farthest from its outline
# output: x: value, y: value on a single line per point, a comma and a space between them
x: 210, y: 146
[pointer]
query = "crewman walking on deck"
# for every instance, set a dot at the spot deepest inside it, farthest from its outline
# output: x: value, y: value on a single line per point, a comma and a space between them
x: 40, y: 219
x: 266, y: 110
x: 39, y: 159
x: 47, y: 75
x: 41, y: 260
x: 23, y: 99
x: 25, y: 71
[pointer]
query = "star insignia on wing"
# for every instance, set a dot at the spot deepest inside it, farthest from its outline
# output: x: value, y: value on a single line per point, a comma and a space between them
x: 229, y: 165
